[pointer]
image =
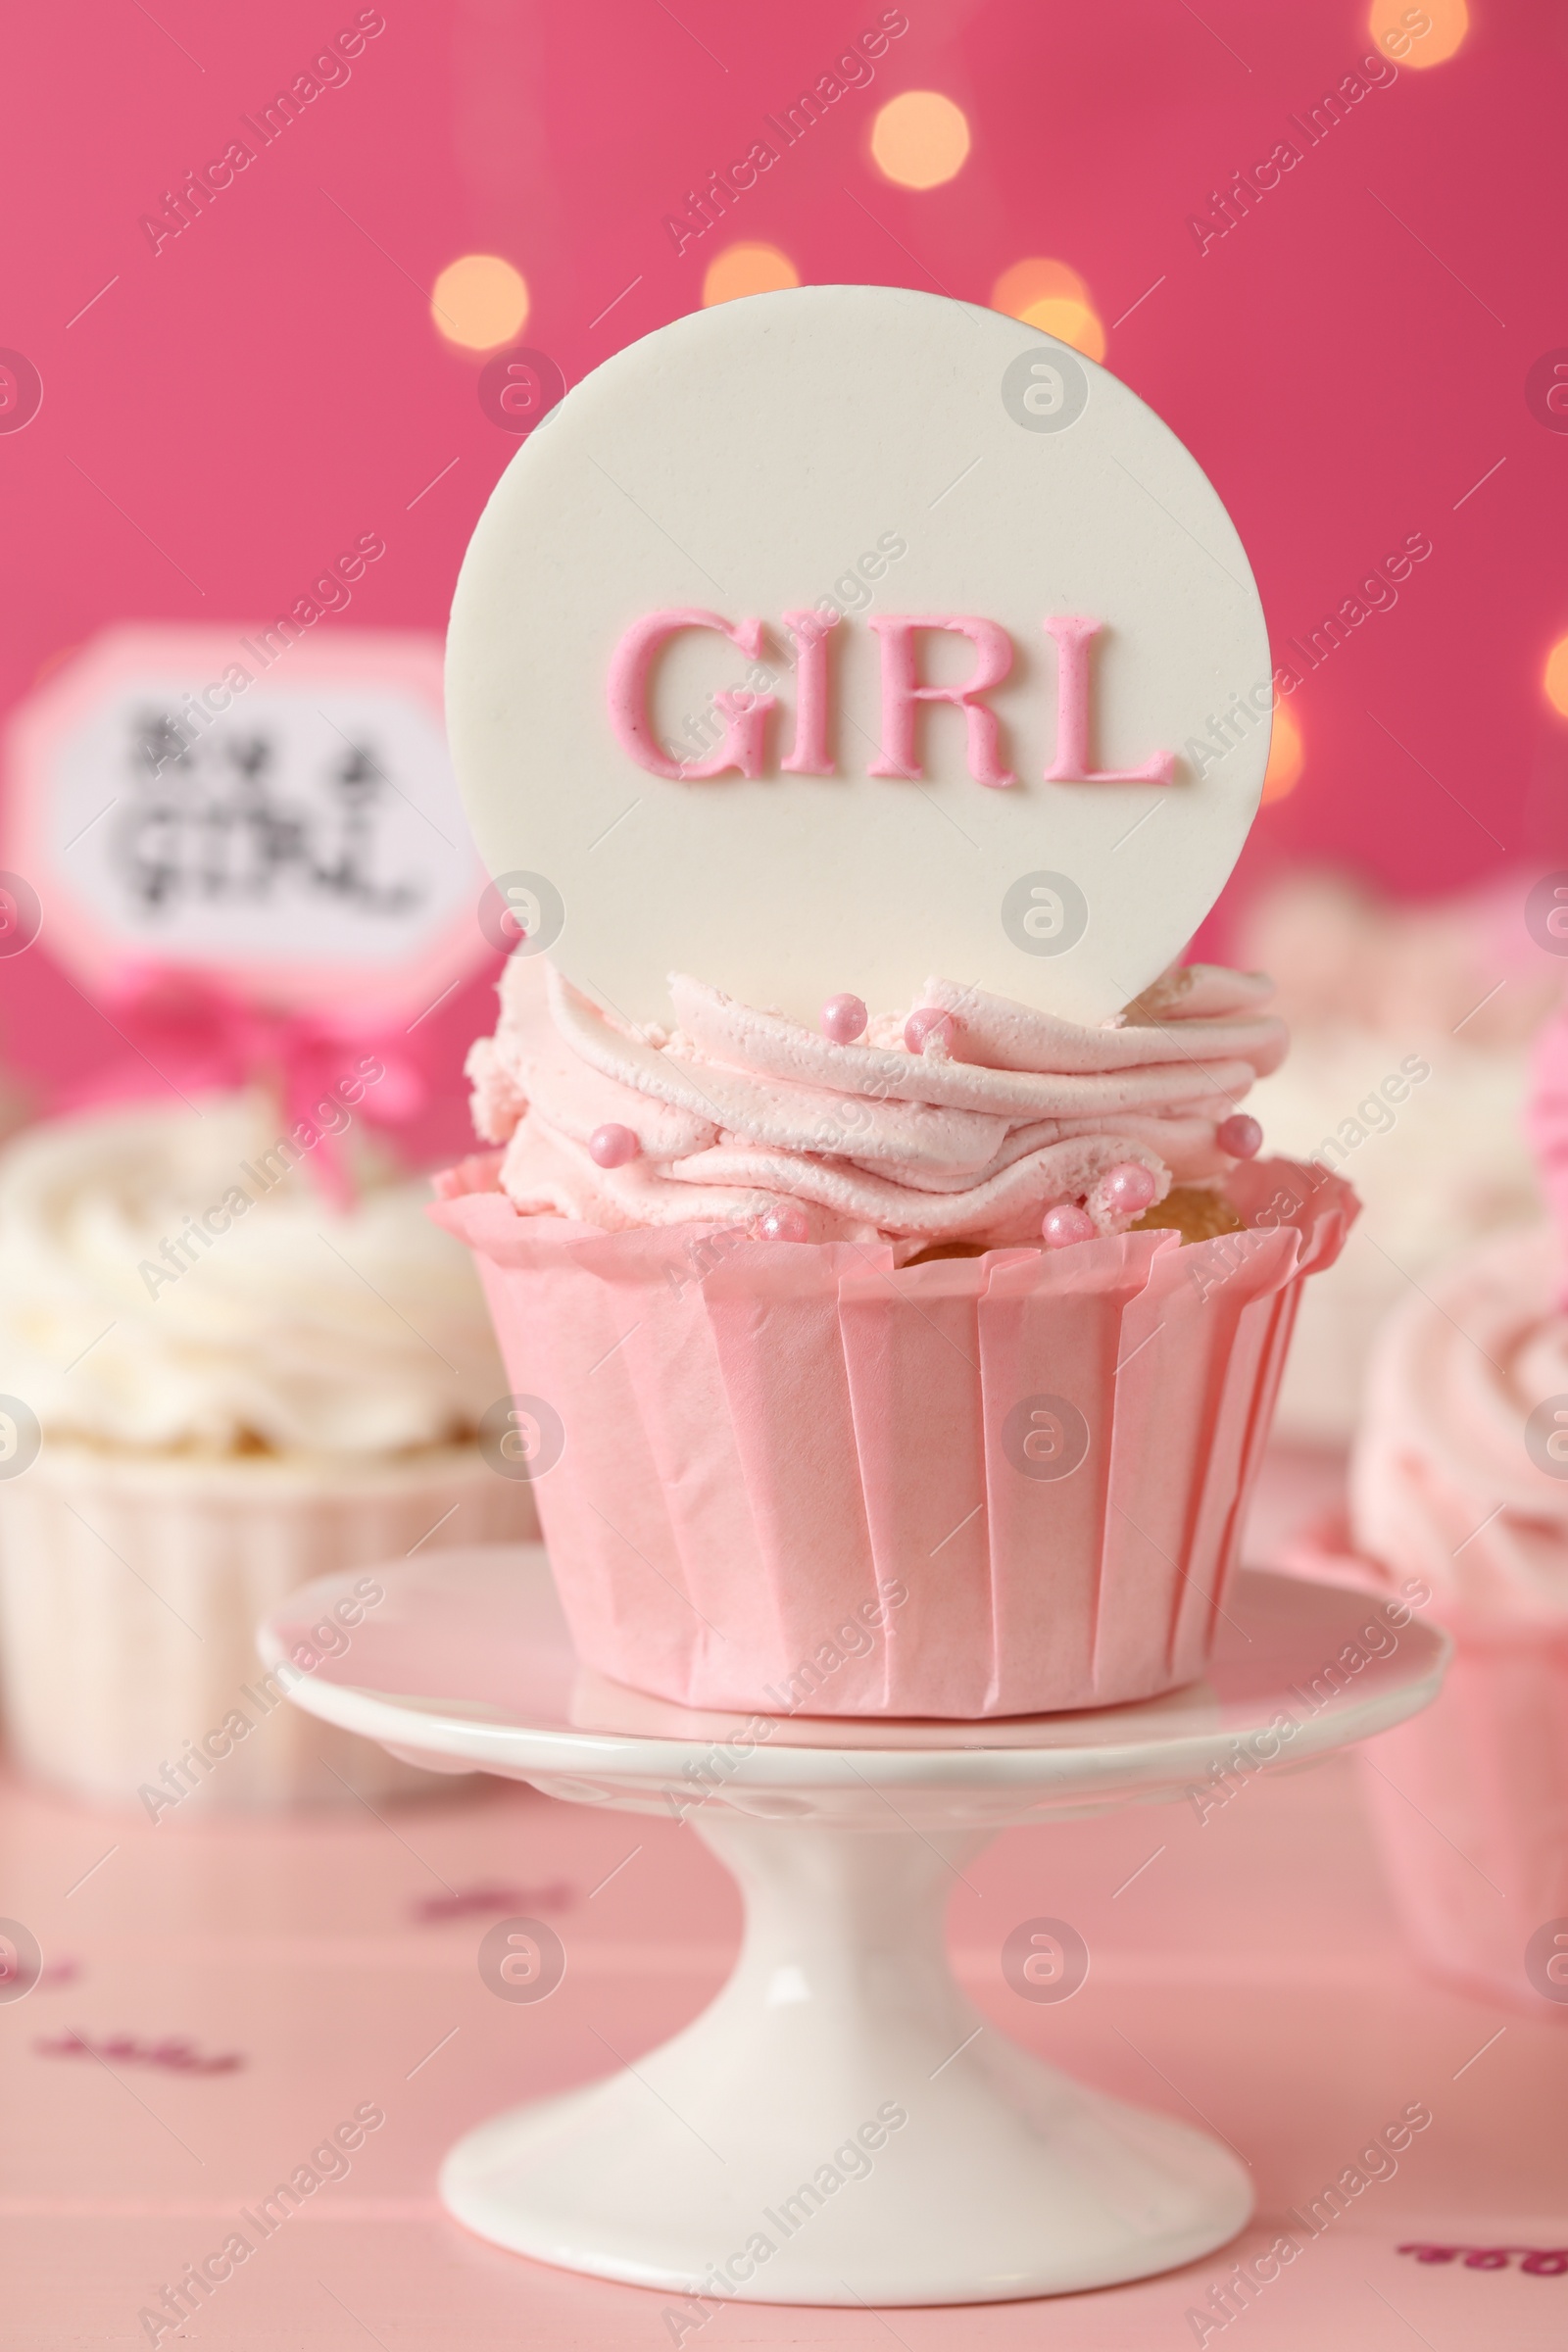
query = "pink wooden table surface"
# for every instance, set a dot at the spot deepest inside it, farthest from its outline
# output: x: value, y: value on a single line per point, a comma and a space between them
x: 1246, y: 1973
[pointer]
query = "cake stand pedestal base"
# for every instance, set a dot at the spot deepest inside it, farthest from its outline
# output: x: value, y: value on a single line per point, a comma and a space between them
x: 840, y: 2125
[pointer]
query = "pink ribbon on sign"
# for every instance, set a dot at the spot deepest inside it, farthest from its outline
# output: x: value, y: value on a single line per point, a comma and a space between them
x: 191, y: 1031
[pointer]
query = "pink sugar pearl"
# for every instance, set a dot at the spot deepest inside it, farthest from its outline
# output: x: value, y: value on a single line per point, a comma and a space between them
x: 1240, y: 1135
x: 612, y: 1145
x: 843, y: 1019
x: 929, y: 1020
x: 1129, y: 1188
x: 1065, y: 1224
x: 784, y: 1222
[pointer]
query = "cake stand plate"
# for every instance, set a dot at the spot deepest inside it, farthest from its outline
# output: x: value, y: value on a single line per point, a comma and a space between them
x: 840, y: 2125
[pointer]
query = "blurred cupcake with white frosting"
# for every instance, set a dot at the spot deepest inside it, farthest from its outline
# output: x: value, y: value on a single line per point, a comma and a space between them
x: 221, y: 1380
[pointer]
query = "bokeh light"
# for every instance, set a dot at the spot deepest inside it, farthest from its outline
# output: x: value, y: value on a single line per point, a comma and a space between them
x: 480, y: 302
x: 1418, y: 36
x: 919, y: 140
x: 1555, y: 680
x: 746, y: 269
x: 1036, y: 279
x: 1052, y: 296
x: 1285, y: 757
x: 1071, y: 323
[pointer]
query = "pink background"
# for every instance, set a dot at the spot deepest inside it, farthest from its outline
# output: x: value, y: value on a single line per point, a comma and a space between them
x: 233, y: 409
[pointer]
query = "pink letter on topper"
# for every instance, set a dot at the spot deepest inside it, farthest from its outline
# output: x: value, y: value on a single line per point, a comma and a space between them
x: 808, y: 754
x: 1071, y: 766
x: 900, y: 694
x: 745, y: 715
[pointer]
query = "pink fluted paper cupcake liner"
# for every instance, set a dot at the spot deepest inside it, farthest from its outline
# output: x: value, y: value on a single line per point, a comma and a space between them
x: 788, y: 1476
x: 1470, y: 1798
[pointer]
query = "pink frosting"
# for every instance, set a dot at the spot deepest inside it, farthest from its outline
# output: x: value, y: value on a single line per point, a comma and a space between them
x: 1547, y: 1122
x: 1456, y: 1476
x: 1007, y: 1114
x: 1444, y: 1483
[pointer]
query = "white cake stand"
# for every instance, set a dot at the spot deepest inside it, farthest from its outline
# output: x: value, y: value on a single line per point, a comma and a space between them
x: 756, y: 2156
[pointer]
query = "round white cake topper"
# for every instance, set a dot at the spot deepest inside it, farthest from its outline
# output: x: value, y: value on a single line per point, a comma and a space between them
x: 828, y: 640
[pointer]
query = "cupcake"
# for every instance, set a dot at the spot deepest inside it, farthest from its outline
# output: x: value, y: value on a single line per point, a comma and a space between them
x: 1411, y: 1031
x: 910, y: 1353
x: 1459, y: 1489
x: 920, y: 1366
x: 238, y: 1385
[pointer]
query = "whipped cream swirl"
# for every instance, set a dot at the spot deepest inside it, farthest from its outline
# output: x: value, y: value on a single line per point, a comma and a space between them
x: 971, y: 1138
x: 293, y: 1327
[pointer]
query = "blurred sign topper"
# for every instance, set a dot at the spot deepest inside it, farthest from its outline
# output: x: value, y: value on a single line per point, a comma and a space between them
x: 281, y: 816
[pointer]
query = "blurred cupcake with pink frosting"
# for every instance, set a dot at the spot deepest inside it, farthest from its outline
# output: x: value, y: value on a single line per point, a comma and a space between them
x: 1408, y: 1073
x: 1459, y: 1491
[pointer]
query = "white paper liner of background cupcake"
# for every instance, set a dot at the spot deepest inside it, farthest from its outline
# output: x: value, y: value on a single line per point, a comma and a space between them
x: 130, y: 1591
